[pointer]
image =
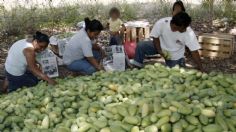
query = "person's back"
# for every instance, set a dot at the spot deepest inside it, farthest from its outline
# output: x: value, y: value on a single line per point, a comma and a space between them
x: 74, y: 48
x: 16, y: 62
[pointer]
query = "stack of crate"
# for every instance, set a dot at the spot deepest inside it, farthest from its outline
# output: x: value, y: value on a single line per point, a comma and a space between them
x: 136, y: 31
x: 216, y: 46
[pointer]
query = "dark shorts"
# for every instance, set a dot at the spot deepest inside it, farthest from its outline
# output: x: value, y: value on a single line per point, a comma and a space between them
x: 25, y: 80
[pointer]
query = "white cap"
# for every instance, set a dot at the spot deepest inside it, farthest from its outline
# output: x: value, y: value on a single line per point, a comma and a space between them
x: 53, y: 40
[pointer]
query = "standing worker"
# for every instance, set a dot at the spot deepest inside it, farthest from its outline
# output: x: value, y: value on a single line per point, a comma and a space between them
x: 116, y: 27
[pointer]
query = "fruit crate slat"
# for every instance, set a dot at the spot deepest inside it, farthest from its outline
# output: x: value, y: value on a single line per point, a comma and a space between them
x: 214, y: 40
x: 136, y: 34
x: 214, y: 54
x: 141, y: 34
x: 217, y: 35
x: 146, y: 32
x: 127, y: 34
x: 133, y: 34
x: 220, y: 48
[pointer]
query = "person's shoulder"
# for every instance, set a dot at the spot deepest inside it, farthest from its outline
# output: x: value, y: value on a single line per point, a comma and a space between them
x: 82, y: 37
x: 190, y: 31
x: 21, y: 41
x: 80, y: 33
x: 164, y: 20
x: 76, y: 37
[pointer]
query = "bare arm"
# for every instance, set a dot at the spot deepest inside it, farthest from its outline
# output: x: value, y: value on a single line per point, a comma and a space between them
x: 122, y: 29
x: 32, y: 65
x: 94, y: 62
x: 197, y: 60
x: 96, y: 47
x: 157, y: 45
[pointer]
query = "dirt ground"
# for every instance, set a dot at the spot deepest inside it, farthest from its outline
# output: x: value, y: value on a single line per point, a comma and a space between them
x: 225, y: 65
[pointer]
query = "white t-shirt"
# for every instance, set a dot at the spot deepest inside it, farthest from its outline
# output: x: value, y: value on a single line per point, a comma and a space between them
x: 78, y: 47
x: 174, y: 42
x: 16, y: 62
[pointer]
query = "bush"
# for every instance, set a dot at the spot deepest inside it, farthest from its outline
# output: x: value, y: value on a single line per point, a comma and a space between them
x: 22, y: 20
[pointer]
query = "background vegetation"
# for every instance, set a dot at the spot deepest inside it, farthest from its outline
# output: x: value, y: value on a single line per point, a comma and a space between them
x: 21, y: 20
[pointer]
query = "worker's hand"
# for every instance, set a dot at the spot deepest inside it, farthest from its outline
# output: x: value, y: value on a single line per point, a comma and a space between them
x: 39, y: 66
x: 201, y: 69
x: 5, y: 86
x: 103, y: 53
x: 4, y: 90
x: 161, y: 53
x: 99, y: 68
x: 52, y: 82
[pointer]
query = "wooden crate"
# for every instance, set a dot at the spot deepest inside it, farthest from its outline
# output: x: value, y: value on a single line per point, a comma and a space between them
x: 137, y: 34
x: 219, y: 46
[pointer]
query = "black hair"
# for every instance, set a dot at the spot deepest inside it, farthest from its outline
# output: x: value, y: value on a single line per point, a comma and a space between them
x: 114, y: 10
x: 93, y: 25
x: 179, y: 3
x: 182, y: 19
x: 41, y: 37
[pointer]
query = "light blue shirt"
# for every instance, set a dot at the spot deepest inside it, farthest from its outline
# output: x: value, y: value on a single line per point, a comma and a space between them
x: 79, y: 47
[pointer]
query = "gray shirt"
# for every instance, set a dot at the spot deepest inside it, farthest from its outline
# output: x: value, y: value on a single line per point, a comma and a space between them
x: 79, y: 47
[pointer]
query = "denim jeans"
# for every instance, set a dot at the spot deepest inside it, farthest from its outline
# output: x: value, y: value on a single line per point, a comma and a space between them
x: 147, y: 48
x: 83, y: 65
x: 25, y: 80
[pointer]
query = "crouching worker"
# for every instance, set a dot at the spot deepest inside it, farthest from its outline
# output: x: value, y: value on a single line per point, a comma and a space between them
x: 170, y: 36
x: 21, y: 67
x: 81, y: 53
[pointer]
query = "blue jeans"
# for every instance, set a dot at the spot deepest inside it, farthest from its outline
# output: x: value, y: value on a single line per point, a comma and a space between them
x: 83, y: 65
x: 147, y: 48
x: 25, y: 80
x: 116, y: 40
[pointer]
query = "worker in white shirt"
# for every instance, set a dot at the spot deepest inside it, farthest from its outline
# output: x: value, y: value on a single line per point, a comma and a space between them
x: 21, y: 67
x: 170, y: 36
x: 81, y: 53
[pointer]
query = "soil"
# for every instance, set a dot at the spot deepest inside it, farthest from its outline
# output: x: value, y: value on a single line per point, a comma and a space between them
x: 225, y: 65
